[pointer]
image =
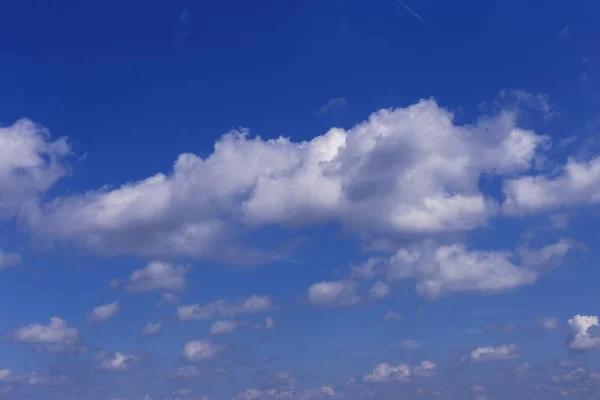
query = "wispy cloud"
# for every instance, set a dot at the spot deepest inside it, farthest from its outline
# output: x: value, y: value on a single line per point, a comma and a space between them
x: 183, y: 24
x: 416, y: 15
x: 337, y: 102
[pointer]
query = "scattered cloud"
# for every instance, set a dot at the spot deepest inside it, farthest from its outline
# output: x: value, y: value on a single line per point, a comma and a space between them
x: 337, y: 102
x: 151, y: 329
x: 385, y: 372
x: 408, y: 344
x: 379, y: 290
x: 117, y: 362
x: 103, y: 313
x: 224, y: 327
x: 186, y: 373
x: 158, y: 276
x: 251, y: 305
x: 392, y: 315
x: 56, y: 332
x: 197, y: 350
x: 488, y: 353
x: 168, y: 298
x: 333, y: 294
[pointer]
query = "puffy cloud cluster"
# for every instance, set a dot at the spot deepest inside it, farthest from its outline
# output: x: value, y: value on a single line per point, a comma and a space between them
x: 56, y: 331
x: 117, y: 362
x: 408, y: 171
x: 585, y: 333
x: 385, y: 372
x: 251, y: 305
x: 333, y: 294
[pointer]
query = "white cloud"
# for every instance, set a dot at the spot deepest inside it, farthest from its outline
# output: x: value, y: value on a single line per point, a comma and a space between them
x: 488, y: 353
x: 404, y: 171
x: 30, y: 164
x: 118, y: 362
x: 103, y: 313
x: 379, y: 290
x: 158, y: 276
x: 337, y: 102
x: 223, y: 327
x: 585, y: 333
x: 549, y: 323
x: 9, y: 259
x: 251, y: 305
x: 56, y: 332
x: 333, y: 294
x: 200, y: 350
x: 451, y: 268
x: 578, y: 183
x: 385, y: 372
x: 168, y: 298
x: 151, y: 329
x: 34, y: 378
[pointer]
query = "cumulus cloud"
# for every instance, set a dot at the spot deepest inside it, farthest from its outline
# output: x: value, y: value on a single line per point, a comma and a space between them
x: 333, y: 294
x: 548, y: 323
x: 223, y: 327
x: 453, y: 268
x: 585, y: 333
x: 151, y: 329
x: 406, y: 171
x: 103, y: 313
x: 202, y: 349
x: 30, y: 164
x: 56, y: 332
x: 578, y: 183
x: 392, y: 315
x: 117, y: 362
x: 158, y: 276
x: 168, y: 298
x: 385, y: 372
x: 251, y: 305
x: 489, y: 353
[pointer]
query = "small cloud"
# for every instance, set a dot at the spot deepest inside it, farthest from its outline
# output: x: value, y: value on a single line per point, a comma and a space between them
x: 168, y: 298
x: 56, y: 332
x: 488, y: 353
x: 115, y: 283
x: 103, y: 313
x: 151, y: 329
x: 585, y: 334
x: 331, y: 104
x: 564, y: 32
x: 9, y: 259
x: 117, y: 362
x: 158, y: 276
x: 408, y: 344
x: 392, y: 315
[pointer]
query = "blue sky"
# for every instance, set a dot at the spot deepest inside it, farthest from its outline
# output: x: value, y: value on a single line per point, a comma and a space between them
x: 299, y: 200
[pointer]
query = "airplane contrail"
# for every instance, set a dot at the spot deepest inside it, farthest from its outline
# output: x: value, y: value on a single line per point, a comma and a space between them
x: 416, y: 15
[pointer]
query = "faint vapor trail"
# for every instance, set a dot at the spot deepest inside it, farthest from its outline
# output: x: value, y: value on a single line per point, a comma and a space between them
x: 415, y: 14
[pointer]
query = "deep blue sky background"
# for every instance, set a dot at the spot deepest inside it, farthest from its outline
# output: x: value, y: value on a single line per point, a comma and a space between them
x: 134, y: 84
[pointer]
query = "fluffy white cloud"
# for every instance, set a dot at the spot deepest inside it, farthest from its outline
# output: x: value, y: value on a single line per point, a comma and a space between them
x: 548, y: 323
x: 30, y: 164
x: 403, y: 171
x: 251, y: 305
x: 452, y: 268
x: 585, y: 333
x: 158, y: 275
x: 117, y: 362
x: 9, y: 259
x: 489, y: 353
x: 385, y: 372
x: 223, y: 327
x: 151, y: 329
x: 200, y: 350
x: 103, y: 313
x: 333, y: 294
x: 578, y: 183
x: 56, y: 332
